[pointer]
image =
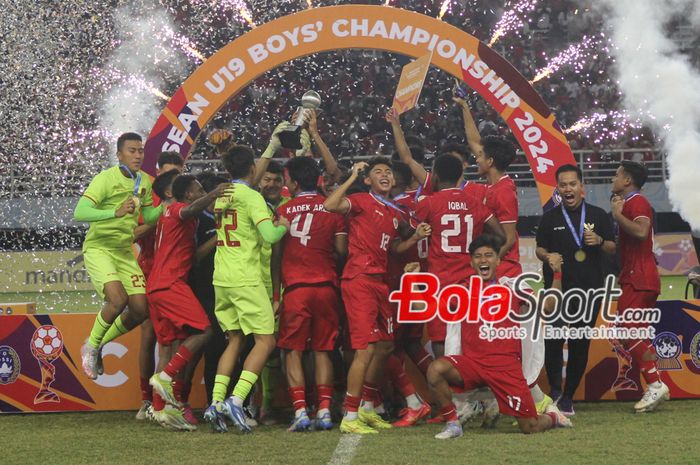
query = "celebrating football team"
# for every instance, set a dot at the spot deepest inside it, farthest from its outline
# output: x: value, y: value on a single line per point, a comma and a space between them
x: 284, y: 272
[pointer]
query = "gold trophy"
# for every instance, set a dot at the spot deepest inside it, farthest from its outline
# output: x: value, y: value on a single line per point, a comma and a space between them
x: 47, y: 346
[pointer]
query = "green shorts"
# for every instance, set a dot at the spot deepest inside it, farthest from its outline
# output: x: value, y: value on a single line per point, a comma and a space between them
x: 107, y: 265
x: 245, y: 308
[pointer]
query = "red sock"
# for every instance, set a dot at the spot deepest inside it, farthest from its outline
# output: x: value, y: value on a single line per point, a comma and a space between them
x: 177, y: 389
x: 553, y: 417
x: 146, y: 390
x: 298, y: 396
x: 422, y: 359
x: 370, y: 393
x: 325, y: 395
x: 646, y: 367
x: 186, y: 389
x: 449, y: 412
x: 397, y: 375
x: 158, y: 402
x: 178, y: 362
x: 352, y: 403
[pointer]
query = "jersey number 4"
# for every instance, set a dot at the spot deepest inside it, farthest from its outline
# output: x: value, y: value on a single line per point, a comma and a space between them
x: 302, y: 233
x: 228, y: 228
x: 455, y: 222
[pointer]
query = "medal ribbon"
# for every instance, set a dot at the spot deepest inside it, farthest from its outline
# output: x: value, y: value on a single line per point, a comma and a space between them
x: 135, y: 177
x: 577, y: 237
x: 390, y: 204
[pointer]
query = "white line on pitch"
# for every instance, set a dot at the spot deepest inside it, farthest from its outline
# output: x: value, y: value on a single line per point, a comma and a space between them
x: 345, y: 450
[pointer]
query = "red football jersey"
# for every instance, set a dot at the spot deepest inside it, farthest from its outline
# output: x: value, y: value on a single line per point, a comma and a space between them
x: 476, y: 189
x: 147, y: 244
x: 419, y: 253
x: 372, y: 227
x: 456, y: 218
x: 472, y: 342
x: 174, y: 248
x: 502, y: 200
x: 309, y: 247
x: 637, y: 256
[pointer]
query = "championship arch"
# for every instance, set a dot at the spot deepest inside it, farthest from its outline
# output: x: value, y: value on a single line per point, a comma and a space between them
x: 390, y: 29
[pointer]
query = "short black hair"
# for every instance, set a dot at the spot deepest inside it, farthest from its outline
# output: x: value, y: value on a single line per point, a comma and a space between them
x: 637, y: 171
x: 181, y: 184
x: 374, y: 161
x: 237, y: 160
x: 500, y: 150
x: 447, y: 169
x: 486, y: 240
x: 355, y: 187
x: 210, y: 180
x: 305, y: 171
x: 568, y: 168
x: 125, y: 137
x: 402, y: 173
x: 456, y: 147
x: 170, y: 158
x: 163, y: 181
x: 274, y: 167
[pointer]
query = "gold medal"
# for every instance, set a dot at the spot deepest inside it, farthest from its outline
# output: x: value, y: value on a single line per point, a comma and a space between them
x: 137, y: 201
x: 580, y: 255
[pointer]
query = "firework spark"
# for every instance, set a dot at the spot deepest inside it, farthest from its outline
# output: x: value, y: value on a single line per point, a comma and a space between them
x: 243, y: 10
x: 443, y: 8
x: 182, y: 42
x: 576, y: 54
x: 512, y: 19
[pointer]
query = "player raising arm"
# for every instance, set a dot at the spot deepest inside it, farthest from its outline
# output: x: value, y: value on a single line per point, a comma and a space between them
x: 111, y: 204
x: 242, y: 303
x: 373, y: 227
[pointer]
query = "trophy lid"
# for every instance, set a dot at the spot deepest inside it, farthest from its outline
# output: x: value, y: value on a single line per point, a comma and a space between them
x: 311, y: 100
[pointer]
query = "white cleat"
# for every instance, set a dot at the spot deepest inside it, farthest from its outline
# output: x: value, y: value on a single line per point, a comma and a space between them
x: 452, y: 430
x: 142, y: 414
x: 88, y: 355
x: 562, y: 420
x: 652, y: 397
x: 468, y: 410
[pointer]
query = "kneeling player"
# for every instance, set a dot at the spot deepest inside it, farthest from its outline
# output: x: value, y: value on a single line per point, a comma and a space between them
x: 310, y: 315
x: 496, y: 364
x: 178, y: 317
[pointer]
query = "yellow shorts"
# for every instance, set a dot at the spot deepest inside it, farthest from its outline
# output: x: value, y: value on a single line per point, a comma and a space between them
x: 245, y: 308
x: 107, y: 265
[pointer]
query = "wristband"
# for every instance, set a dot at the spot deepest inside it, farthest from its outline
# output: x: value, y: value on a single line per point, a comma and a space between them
x: 557, y: 275
x: 276, y: 296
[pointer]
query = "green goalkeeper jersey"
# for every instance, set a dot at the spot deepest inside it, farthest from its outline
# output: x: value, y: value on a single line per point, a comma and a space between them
x: 239, y: 244
x: 108, y: 190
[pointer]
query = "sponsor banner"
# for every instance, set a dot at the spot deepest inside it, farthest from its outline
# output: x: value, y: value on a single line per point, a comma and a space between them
x: 40, y: 367
x: 412, y: 34
x: 411, y: 84
x: 675, y: 254
x: 610, y: 377
x: 44, y: 271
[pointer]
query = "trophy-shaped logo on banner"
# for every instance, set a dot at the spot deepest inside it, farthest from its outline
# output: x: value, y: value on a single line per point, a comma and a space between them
x: 624, y: 365
x: 290, y: 137
x: 47, y: 346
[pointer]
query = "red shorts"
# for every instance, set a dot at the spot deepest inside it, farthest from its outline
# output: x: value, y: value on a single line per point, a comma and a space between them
x: 632, y: 298
x: 370, y: 315
x: 504, y: 376
x: 173, y: 310
x: 509, y: 269
x: 407, y: 331
x: 309, y: 318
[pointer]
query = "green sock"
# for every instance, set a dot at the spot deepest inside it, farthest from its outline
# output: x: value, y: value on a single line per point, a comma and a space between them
x: 269, y: 378
x: 114, y: 331
x: 245, y: 384
x: 99, y: 328
x: 220, y: 388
